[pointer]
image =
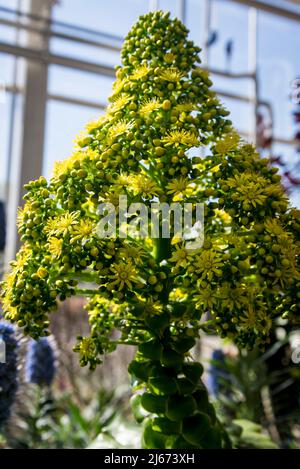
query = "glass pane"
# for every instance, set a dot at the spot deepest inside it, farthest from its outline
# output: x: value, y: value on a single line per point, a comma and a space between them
x: 114, y: 17
x: 195, y: 21
x: 7, y: 33
x: 286, y: 4
x: 231, y: 85
x: 279, y: 45
x: 241, y: 115
x: 85, y: 52
x: 169, y: 5
x: 6, y: 69
x: 64, y: 122
x: 290, y: 169
x: 5, y: 107
x: 5, y: 143
x: 229, y: 36
x: 8, y: 3
x: 7, y: 12
x: 78, y: 84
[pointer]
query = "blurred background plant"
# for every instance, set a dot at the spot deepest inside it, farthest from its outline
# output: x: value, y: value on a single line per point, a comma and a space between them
x: 8, y: 371
x: 52, y: 411
x: 259, y: 393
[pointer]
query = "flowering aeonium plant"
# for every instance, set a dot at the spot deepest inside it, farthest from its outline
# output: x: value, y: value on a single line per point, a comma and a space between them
x: 155, y: 290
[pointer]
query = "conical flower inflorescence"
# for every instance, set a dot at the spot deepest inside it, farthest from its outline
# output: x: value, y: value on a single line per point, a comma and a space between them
x: 162, y: 111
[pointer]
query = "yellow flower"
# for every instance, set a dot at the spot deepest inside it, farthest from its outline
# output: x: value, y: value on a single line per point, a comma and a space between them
x: 83, y: 229
x: 123, y: 180
x: 7, y: 287
x: 82, y: 140
x: 61, y: 224
x: 178, y: 187
x: 182, y: 256
x: 148, y: 106
x: 55, y: 246
x: 119, y: 103
x: 265, y: 324
x: 249, y: 188
x: 152, y: 307
x: 61, y: 167
x: 288, y: 268
x: 112, y: 197
x: 237, y: 241
x: 123, y: 275
x: 22, y: 257
x: 42, y: 272
x: 208, y: 264
x: 255, y: 320
x: 144, y: 186
x: 273, y: 227
x: 181, y: 137
x: 186, y: 107
x: 140, y: 73
x: 87, y: 348
x: 171, y: 74
x: 21, y: 214
x: 276, y: 191
x: 206, y: 298
x: 224, y: 216
x: 96, y: 124
x: 118, y: 129
x: 232, y: 297
x: 10, y: 312
x: 178, y: 295
x: 248, y: 320
x: 229, y: 143
x: 118, y: 86
x: 134, y: 253
x: 252, y: 194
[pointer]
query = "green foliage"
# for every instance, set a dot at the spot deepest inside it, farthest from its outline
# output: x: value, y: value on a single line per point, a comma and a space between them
x: 252, y: 436
x: 153, y: 403
x: 45, y: 422
x: 179, y: 407
x: 263, y: 391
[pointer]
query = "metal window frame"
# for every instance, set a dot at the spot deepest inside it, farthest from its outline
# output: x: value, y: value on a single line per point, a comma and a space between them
x: 29, y: 160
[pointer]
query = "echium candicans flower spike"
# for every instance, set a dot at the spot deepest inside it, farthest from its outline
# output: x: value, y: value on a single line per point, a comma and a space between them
x: 8, y: 371
x: 41, y: 362
x: 155, y: 290
x: 217, y: 374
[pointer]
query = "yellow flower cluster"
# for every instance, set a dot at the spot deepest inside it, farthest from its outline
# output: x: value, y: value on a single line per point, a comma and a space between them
x: 247, y: 272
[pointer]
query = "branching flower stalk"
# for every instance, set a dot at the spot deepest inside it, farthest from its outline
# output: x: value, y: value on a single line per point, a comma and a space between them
x: 157, y: 292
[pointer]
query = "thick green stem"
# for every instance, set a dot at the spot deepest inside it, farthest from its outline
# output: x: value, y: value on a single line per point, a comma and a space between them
x: 180, y: 414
